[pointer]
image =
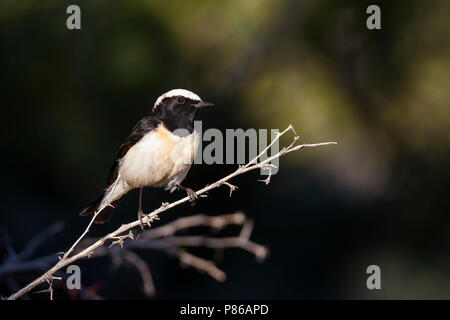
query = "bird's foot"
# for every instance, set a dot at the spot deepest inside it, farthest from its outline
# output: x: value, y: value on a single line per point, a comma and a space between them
x: 139, y: 230
x: 140, y: 216
x: 192, y: 196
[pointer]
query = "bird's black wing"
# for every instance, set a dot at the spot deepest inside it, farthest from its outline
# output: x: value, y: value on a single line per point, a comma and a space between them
x: 140, y: 130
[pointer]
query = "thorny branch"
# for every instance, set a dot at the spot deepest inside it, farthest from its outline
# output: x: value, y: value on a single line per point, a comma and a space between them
x: 163, y: 238
x: 69, y: 257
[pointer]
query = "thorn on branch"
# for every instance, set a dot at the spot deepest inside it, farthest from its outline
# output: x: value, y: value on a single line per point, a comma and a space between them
x: 120, y: 239
x: 60, y: 255
x: 150, y: 218
x: 231, y: 186
x: 164, y: 205
x: 292, y: 129
x: 90, y: 254
x: 268, y: 167
x: 50, y: 286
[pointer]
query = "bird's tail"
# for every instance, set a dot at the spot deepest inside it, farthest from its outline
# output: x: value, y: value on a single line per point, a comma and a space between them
x: 104, y: 215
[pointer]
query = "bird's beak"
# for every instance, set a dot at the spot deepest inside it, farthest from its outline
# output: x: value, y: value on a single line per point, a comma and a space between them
x: 203, y: 104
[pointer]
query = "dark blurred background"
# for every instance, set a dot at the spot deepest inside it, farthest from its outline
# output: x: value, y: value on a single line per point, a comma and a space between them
x: 69, y: 99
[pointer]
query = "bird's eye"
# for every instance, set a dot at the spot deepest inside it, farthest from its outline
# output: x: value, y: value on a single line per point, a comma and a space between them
x: 181, y: 100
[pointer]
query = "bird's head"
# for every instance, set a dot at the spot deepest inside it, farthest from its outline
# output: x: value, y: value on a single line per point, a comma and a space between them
x: 179, y: 104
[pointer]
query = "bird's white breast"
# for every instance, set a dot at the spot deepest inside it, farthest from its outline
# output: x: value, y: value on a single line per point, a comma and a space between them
x: 160, y: 158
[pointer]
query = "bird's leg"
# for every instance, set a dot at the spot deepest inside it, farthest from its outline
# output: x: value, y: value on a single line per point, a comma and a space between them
x: 191, y: 194
x: 140, y: 212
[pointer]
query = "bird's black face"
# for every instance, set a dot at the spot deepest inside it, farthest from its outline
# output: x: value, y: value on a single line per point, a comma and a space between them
x: 179, y: 112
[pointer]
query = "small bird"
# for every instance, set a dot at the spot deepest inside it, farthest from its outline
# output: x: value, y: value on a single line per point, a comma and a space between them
x: 158, y: 153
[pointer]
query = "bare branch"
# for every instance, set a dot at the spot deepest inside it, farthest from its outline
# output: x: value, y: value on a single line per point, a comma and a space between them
x: 160, y: 238
x: 217, y: 222
x: 258, y: 250
x: 40, y: 239
x: 202, y: 264
x: 141, y: 266
x: 252, y: 165
x: 164, y: 238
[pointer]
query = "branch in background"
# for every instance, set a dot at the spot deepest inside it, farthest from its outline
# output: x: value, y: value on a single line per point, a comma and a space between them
x: 252, y: 165
x: 162, y: 238
x: 17, y: 262
x: 39, y: 240
x: 141, y: 266
x: 201, y: 264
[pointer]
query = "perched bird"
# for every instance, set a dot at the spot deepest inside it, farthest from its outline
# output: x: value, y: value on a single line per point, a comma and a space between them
x: 158, y: 153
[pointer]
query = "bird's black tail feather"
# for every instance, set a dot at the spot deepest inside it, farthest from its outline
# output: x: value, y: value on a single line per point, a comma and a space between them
x: 104, y: 215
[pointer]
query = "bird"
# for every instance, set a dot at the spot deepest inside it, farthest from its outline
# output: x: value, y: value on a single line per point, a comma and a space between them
x: 158, y: 153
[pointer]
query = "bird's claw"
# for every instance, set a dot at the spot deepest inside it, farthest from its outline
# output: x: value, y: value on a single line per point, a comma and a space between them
x: 140, y: 216
x: 192, y: 196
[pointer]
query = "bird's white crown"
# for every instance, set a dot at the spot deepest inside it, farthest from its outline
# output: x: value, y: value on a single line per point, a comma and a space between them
x: 177, y: 92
